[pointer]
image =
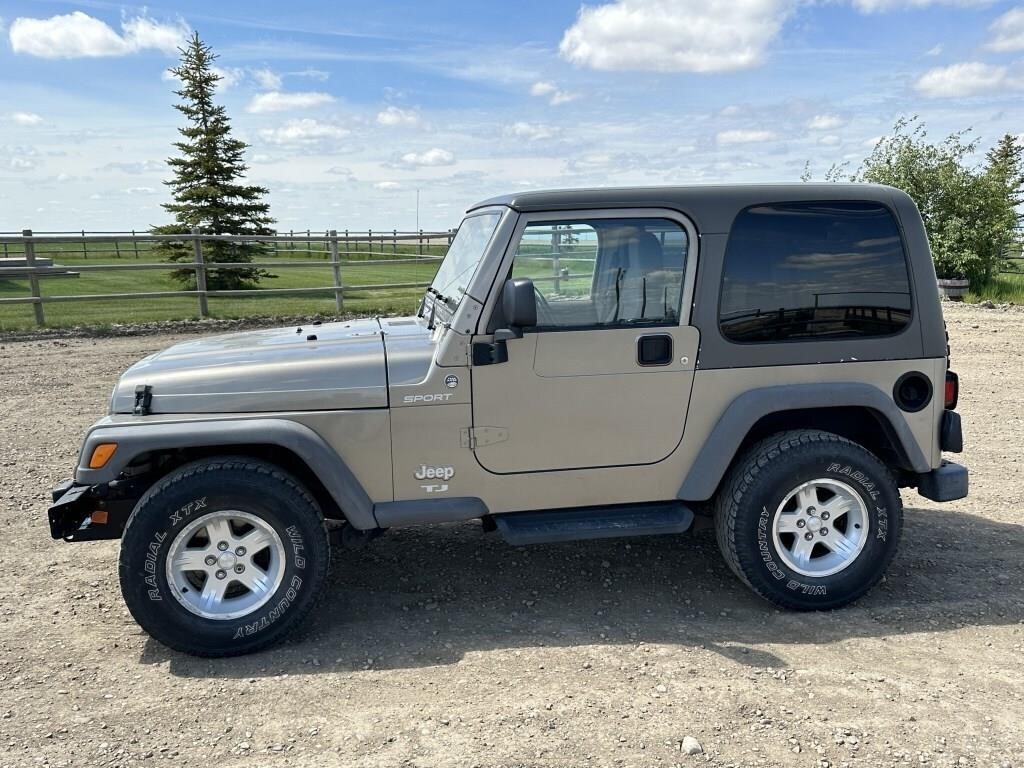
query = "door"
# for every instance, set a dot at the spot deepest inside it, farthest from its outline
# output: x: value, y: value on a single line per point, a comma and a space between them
x: 604, y: 377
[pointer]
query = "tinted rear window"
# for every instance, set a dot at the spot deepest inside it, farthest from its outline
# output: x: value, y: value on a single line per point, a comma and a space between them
x: 814, y: 271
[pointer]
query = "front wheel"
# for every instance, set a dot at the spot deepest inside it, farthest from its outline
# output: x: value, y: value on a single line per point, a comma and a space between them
x: 223, y: 557
x: 809, y: 520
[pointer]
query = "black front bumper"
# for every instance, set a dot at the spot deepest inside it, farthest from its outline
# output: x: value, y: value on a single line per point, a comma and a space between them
x: 947, y: 483
x: 83, y: 513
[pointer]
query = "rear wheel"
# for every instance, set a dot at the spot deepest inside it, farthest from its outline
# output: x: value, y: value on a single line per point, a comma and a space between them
x: 809, y: 520
x: 223, y: 557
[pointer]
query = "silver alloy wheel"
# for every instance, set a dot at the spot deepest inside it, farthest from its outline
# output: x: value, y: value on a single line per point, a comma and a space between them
x: 225, y: 564
x: 820, y: 528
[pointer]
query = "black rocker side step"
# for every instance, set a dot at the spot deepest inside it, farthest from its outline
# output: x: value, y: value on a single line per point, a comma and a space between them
x: 520, y: 528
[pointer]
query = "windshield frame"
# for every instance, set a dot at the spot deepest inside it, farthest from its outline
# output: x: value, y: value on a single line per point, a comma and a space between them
x: 462, y: 280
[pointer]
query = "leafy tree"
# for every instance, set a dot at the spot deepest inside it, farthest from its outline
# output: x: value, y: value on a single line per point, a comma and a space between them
x: 207, y: 188
x: 968, y: 212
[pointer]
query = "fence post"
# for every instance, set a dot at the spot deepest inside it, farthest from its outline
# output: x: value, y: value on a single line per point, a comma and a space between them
x: 556, y: 262
x: 197, y: 249
x: 135, y: 243
x: 85, y: 247
x: 369, y: 242
x: 394, y: 241
x: 33, y: 278
x: 339, y: 300
x: 419, y: 247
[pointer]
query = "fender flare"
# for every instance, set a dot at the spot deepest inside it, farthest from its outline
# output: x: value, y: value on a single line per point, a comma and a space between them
x: 135, y: 439
x: 745, y: 411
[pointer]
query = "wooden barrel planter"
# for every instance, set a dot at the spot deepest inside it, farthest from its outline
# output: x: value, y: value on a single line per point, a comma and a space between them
x: 954, y: 289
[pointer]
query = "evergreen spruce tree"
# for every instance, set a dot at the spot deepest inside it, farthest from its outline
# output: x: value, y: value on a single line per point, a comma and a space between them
x: 207, y: 186
x: 1005, y: 163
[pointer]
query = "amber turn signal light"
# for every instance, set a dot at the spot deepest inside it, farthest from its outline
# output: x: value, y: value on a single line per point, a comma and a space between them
x: 101, y: 455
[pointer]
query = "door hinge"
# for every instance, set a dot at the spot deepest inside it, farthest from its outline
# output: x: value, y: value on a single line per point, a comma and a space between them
x: 476, y: 437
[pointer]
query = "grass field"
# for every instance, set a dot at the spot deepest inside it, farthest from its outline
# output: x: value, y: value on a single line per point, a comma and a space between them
x: 107, y: 312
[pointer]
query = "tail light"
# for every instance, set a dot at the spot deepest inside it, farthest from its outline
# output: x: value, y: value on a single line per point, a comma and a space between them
x: 952, y: 389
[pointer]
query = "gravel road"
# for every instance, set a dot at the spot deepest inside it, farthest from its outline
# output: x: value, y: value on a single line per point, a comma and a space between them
x: 444, y: 647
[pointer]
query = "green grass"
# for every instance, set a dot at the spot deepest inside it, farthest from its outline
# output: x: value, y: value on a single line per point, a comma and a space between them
x: 107, y: 312
x: 1005, y: 287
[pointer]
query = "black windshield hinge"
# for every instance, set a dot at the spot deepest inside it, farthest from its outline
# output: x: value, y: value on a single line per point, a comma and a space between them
x: 143, y: 399
x: 489, y: 353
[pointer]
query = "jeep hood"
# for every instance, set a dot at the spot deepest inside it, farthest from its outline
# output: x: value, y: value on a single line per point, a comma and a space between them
x: 331, y: 366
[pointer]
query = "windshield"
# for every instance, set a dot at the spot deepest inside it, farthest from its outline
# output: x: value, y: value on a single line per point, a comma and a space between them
x: 464, y: 256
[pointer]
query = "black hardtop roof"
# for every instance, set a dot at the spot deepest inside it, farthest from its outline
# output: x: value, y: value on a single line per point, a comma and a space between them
x: 712, y: 207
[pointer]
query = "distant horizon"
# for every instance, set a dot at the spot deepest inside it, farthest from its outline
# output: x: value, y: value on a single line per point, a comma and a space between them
x: 349, y: 112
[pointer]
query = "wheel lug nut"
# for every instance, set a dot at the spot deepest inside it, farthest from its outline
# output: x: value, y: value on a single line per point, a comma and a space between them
x: 800, y: 523
x: 221, y: 574
x: 824, y: 515
x: 222, y: 546
x: 823, y: 531
x: 210, y: 559
x: 811, y: 510
x: 240, y: 551
x: 808, y: 535
x: 239, y: 568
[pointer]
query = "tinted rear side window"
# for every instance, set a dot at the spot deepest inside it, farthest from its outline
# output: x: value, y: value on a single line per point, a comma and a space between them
x: 814, y: 271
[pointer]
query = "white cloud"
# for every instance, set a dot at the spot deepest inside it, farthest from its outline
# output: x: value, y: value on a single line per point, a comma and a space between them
x: 1008, y: 31
x: 935, y: 50
x: 140, y: 191
x: 824, y: 122
x: 312, y: 74
x: 744, y: 136
x: 674, y: 35
x: 830, y: 140
x: 873, y: 6
x: 20, y: 164
x: 387, y: 185
x: 395, y: 116
x: 302, y: 132
x: 268, y: 79
x: 78, y: 35
x: 25, y: 118
x: 431, y: 158
x: 136, y: 168
x: 278, y: 101
x: 968, y: 79
x: 532, y: 131
x: 551, y: 92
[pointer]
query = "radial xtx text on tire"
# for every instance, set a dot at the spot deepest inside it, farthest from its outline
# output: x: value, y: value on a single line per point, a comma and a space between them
x: 223, y: 557
x: 809, y: 520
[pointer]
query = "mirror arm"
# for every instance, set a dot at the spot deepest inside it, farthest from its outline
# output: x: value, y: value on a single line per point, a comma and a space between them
x: 504, y: 334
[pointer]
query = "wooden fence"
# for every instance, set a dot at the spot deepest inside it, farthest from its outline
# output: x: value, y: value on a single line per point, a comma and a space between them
x: 20, y: 258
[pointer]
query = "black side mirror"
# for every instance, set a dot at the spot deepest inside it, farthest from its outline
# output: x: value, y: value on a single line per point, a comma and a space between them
x: 519, y: 303
x: 519, y: 308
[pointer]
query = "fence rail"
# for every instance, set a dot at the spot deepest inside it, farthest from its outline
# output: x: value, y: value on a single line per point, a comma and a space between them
x: 20, y: 256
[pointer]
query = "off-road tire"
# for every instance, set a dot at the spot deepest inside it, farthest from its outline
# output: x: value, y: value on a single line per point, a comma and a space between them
x: 758, y: 483
x: 224, y: 483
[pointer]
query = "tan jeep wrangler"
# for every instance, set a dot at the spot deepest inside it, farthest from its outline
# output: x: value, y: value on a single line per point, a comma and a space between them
x: 585, y: 364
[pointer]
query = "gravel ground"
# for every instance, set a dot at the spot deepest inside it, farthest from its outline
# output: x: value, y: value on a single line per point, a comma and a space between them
x: 445, y: 647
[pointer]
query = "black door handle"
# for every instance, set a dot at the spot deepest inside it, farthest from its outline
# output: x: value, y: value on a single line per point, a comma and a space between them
x: 654, y: 350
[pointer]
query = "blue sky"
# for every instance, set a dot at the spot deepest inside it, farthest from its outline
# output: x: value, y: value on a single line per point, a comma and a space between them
x: 352, y: 107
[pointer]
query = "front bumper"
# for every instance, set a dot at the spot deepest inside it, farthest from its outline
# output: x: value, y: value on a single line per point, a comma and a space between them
x: 947, y: 483
x: 83, y: 513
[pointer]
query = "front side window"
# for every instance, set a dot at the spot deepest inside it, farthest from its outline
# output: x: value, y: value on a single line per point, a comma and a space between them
x: 604, y: 272
x: 463, y: 257
x: 814, y: 271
